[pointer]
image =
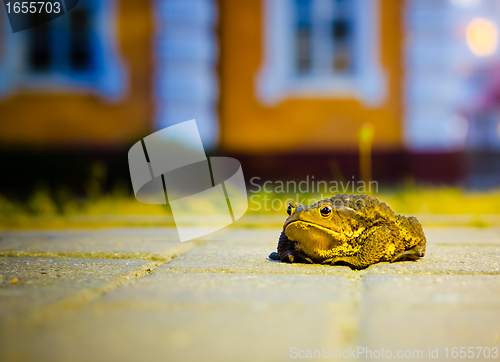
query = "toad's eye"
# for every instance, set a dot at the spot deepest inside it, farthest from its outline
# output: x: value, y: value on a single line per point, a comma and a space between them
x: 325, y: 211
x: 289, y: 210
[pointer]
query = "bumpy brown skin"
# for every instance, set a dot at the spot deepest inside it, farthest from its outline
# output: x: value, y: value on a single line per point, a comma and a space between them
x: 358, y: 231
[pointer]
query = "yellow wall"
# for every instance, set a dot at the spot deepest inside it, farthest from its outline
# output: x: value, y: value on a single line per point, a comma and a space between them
x: 299, y: 124
x: 51, y: 118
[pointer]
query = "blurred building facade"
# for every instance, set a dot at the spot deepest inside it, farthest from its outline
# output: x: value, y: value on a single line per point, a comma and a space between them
x: 299, y: 79
x: 284, y: 85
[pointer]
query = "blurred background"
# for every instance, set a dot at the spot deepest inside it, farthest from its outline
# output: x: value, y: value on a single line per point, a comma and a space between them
x: 290, y: 88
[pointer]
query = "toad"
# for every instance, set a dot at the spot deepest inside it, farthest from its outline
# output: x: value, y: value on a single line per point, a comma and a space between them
x: 352, y: 230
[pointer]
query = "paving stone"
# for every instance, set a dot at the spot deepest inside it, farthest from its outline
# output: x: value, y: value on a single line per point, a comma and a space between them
x: 222, y: 299
x: 268, y: 236
x: 120, y: 243
x: 444, y: 259
x: 219, y: 290
x: 419, y: 312
x: 42, y: 281
x: 189, y: 317
x: 246, y: 258
x: 424, y: 291
x: 463, y: 235
x: 253, y: 258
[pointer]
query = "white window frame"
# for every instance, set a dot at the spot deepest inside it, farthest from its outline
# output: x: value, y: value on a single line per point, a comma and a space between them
x: 277, y: 79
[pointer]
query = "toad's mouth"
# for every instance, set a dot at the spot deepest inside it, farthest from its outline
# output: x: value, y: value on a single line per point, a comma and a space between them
x: 313, y: 235
x: 307, y: 224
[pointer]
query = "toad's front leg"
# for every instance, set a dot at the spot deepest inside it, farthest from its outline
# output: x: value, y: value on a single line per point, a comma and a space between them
x: 287, y: 253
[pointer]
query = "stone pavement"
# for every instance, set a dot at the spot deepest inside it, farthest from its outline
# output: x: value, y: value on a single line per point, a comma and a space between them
x: 137, y: 294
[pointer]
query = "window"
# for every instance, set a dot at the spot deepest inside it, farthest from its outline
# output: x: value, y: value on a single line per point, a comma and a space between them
x: 63, y: 45
x: 76, y: 51
x: 327, y: 26
x: 321, y: 48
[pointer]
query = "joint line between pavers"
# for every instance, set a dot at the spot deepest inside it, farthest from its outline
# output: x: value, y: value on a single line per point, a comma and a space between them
x: 81, y: 255
x: 160, y: 256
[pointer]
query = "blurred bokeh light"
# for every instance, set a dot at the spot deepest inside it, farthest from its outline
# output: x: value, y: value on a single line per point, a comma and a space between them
x: 482, y: 37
